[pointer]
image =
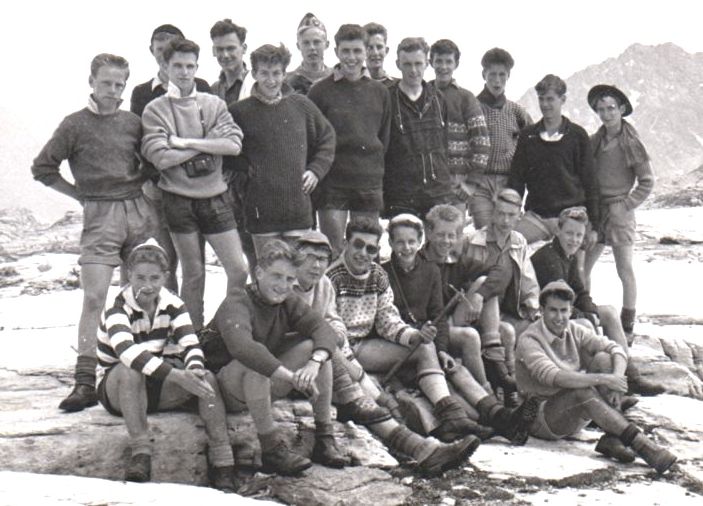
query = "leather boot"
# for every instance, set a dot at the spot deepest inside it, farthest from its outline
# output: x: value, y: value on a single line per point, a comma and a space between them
x: 512, y: 424
x: 657, y: 457
x: 326, y: 452
x: 498, y: 375
x: 138, y: 468
x: 222, y: 478
x: 278, y: 458
x: 363, y: 411
x: 454, y: 422
x: 612, y: 447
x: 81, y: 397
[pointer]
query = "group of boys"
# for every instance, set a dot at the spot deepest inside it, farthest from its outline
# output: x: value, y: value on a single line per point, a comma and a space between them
x: 251, y: 162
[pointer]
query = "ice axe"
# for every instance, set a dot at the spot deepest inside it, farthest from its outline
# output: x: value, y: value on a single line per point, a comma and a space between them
x: 442, y: 314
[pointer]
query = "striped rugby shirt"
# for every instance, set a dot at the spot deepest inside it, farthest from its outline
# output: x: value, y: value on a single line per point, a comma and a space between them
x: 126, y: 335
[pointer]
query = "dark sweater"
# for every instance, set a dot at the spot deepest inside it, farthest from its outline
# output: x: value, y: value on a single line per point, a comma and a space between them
x: 254, y: 332
x: 143, y: 93
x: 360, y: 112
x: 102, y: 152
x: 421, y: 288
x: 556, y: 174
x: 551, y: 264
x: 281, y: 142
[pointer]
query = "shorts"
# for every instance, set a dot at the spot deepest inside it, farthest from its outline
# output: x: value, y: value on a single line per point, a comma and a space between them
x: 618, y: 224
x: 112, y: 228
x: 350, y: 199
x: 209, y: 216
x: 288, y: 236
x: 418, y: 205
x: 541, y: 430
x: 535, y: 228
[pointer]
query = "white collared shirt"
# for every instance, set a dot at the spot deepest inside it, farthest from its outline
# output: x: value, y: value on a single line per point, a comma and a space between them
x: 156, y: 82
x: 174, y: 91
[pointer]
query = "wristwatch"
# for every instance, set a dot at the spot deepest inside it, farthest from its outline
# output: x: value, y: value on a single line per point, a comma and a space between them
x: 317, y: 359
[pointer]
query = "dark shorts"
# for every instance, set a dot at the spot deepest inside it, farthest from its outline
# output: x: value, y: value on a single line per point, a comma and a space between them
x: 153, y: 394
x: 209, y: 216
x: 347, y: 199
x: 417, y: 205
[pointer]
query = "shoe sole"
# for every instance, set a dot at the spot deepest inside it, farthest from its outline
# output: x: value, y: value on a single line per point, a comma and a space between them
x: 75, y: 409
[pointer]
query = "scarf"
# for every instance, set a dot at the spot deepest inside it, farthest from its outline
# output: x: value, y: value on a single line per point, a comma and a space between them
x: 491, y: 100
x: 635, y: 152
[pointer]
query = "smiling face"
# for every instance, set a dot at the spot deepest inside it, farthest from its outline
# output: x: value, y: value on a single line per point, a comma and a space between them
x: 556, y: 313
x: 269, y: 78
x: 146, y: 280
x: 570, y: 235
x: 312, y: 44
x: 405, y: 243
x: 412, y: 66
x: 443, y: 237
x: 352, y: 56
x: 444, y: 66
x: 108, y: 84
x: 360, y: 251
x: 610, y: 113
x: 550, y: 103
x: 276, y: 281
x: 376, y: 51
x: 181, y: 71
x: 496, y: 76
x: 229, y: 52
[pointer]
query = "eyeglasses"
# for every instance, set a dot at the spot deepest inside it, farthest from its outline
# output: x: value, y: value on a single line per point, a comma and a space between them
x: 317, y: 259
x: 371, y: 249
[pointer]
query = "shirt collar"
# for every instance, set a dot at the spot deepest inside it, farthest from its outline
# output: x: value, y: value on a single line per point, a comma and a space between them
x: 242, y: 76
x: 557, y: 136
x: 339, y: 75
x: 93, y: 106
x: 264, y: 99
x: 452, y: 83
x: 156, y: 82
x: 174, y: 91
x: 550, y: 336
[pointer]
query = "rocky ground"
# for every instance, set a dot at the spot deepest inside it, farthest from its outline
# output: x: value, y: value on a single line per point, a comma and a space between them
x: 47, y: 457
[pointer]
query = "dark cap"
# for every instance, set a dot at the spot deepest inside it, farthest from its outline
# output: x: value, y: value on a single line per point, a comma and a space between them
x: 608, y: 90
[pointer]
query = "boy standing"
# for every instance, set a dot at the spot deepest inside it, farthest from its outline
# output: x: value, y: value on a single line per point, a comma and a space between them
x: 376, y: 51
x: 360, y: 111
x: 282, y: 175
x: 504, y: 119
x: 312, y: 43
x: 417, y: 175
x: 467, y: 133
x: 101, y: 144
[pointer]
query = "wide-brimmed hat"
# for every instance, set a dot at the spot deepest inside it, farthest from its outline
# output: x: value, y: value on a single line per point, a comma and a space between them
x: 610, y: 90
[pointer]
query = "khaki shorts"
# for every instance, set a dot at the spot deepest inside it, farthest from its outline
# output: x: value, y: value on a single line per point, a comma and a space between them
x: 618, y: 224
x: 112, y: 228
x: 541, y: 430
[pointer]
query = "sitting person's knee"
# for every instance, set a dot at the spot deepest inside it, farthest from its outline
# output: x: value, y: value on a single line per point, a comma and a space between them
x: 601, y: 362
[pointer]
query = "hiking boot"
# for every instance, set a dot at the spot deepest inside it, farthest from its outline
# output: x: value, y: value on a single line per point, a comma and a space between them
x: 325, y: 451
x: 657, y: 457
x: 628, y: 402
x: 454, y: 422
x: 511, y: 399
x: 512, y: 424
x: 139, y: 468
x: 389, y: 402
x: 363, y: 411
x: 612, y: 447
x: 498, y: 375
x: 447, y: 456
x: 81, y: 397
x: 222, y: 478
x: 277, y: 457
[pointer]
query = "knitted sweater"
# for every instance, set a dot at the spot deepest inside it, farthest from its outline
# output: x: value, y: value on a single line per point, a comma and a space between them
x: 541, y: 355
x: 365, y: 302
x: 504, y: 119
x: 418, y: 295
x: 189, y: 117
x: 281, y: 142
x: 144, y: 93
x: 416, y: 160
x: 551, y: 264
x: 557, y: 174
x: 360, y: 112
x: 102, y: 152
x: 254, y: 332
x: 467, y: 133
x: 127, y: 335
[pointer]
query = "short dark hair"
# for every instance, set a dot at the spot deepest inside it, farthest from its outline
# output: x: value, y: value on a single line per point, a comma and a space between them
x: 149, y: 254
x: 350, y: 32
x: 166, y: 30
x: 561, y: 293
x: 181, y: 46
x: 225, y: 27
x: 268, y: 54
x: 108, y: 60
x: 406, y: 220
x: 551, y: 82
x: 445, y: 46
x: 274, y: 250
x: 372, y: 29
x: 412, y: 44
x: 363, y: 225
x: 443, y: 212
x: 497, y: 56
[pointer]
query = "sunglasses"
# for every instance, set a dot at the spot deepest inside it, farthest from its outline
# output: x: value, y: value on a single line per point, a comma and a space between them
x: 371, y: 249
